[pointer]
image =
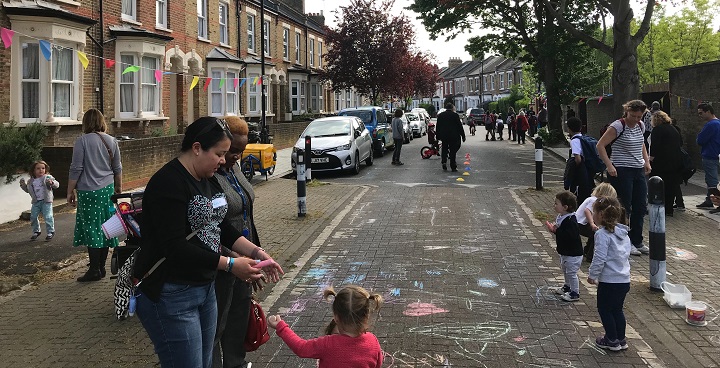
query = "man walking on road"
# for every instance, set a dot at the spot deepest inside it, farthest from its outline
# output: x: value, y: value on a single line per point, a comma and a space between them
x: 449, y: 130
x: 709, y: 140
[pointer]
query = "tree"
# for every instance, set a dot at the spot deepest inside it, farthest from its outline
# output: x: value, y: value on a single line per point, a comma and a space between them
x: 364, y: 48
x: 625, y: 76
x: 418, y: 76
x: 19, y: 147
x: 519, y: 29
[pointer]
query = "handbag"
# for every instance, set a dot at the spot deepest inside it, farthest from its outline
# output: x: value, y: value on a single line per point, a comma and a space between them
x: 257, y: 331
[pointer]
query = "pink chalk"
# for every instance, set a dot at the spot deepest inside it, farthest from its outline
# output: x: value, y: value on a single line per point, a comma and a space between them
x: 265, y: 263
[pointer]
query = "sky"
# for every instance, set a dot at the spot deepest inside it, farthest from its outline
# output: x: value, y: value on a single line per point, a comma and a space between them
x: 443, y: 50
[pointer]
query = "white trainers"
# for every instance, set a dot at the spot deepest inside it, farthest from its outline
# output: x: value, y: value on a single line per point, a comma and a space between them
x: 560, y: 290
x: 634, y: 251
x: 644, y: 249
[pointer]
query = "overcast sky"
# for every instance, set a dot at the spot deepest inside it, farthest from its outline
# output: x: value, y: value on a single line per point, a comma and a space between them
x: 440, y: 48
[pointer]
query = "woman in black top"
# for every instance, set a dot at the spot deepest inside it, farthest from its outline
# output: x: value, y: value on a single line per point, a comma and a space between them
x: 184, y: 211
x: 665, y: 143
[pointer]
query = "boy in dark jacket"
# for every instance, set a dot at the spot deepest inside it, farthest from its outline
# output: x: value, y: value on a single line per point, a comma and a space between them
x: 569, y: 245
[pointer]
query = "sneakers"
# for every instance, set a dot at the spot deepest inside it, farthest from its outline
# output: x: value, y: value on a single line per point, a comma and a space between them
x: 444, y: 167
x: 399, y: 163
x: 603, y: 343
x: 570, y: 297
x: 49, y: 236
x: 706, y: 204
x: 561, y: 290
x: 35, y: 235
x: 679, y: 208
x: 644, y: 249
x: 715, y: 210
x: 634, y: 251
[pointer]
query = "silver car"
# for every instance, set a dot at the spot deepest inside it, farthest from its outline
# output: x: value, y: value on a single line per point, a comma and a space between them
x: 418, y: 125
x: 337, y: 143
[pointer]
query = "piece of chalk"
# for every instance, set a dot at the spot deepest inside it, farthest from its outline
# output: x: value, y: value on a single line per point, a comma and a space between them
x: 265, y: 263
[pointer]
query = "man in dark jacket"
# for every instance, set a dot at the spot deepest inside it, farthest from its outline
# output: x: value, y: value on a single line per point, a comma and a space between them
x: 450, y: 131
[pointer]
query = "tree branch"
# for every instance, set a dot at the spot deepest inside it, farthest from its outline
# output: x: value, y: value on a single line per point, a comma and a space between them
x: 645, y: 26
x: 589, y: 40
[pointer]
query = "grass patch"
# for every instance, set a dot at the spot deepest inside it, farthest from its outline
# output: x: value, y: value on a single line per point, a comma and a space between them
x: 542, y: 215
x: 316, y: 183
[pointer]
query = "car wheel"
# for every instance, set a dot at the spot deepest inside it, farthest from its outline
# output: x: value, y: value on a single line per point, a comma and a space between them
x: 406, y: 140
x: 381, y: 151
x: 412, y: 135
x: 356, y: 165
x: 369, y: 159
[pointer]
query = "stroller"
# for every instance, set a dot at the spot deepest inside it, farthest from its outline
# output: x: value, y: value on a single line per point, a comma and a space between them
x: 129, y: 208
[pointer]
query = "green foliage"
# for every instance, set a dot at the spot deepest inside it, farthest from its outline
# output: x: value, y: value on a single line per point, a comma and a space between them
x: 19, y: 147
x: 430, y: 108
x: 552, y: 137
x: 493, y: 106
x: 522, y: 104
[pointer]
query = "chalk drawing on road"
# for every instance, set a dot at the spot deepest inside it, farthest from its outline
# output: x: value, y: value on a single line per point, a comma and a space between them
x: 406, y: 360
x: 503, y: 292
x: 503, y: 222
x: 419, y: 284
x: 436, y: 247
x: 545, y: 295
x: 682, y: 254
x: 490, y: 331
x: 354, y: 279
x: 419, y: 309
x: 487, y: 283
x: 513, y: 260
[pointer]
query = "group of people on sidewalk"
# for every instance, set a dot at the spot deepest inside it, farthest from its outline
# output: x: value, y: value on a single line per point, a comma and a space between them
x: 518, y: 124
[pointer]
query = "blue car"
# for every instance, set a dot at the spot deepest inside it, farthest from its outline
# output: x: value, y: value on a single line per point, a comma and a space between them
x: 377, y: 123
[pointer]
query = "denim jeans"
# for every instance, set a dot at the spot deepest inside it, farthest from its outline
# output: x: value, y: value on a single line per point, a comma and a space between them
x: 47, y: 211
x: 181, y: 324
x: 631, y: 187
x: 711, y: 174
x: 610, y: 300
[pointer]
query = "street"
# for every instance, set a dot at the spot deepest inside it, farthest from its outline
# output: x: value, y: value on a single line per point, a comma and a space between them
x: 464, y: 268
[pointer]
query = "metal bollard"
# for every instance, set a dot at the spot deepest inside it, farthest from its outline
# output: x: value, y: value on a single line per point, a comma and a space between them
x: 538, y: 163
x: 301, y: 192
x: 656, y: 208
x: 308, y: 159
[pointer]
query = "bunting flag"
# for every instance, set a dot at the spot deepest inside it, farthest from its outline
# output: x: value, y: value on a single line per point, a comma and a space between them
x: 83, y: 59
x: 259, y: 81
x: 600, y: 100
x: 46, y: 49
x: 194, y: 82
x: 581, y: 100
x: 235, y: 82
x: 255, y: 80
x: 678, y: 101
x: 109, y: 63
x: 242, y: 81
x: 131, y: 69
x: 222, y: 82
x: 6, y: 35
x: 158, y: 75
x: 207, y: 83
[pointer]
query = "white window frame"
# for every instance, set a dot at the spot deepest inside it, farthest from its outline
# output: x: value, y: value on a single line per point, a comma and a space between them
x: 321, y: 100
x: 295, y: 96
x: 266, y: 37
x: 286, y: 43
x: 148, y: 81
x: 131, y: 13
x: 314, y: 107
x: 311, y: 52
x: 303, y: 89
x: 520, y: 75
x: 224, y: 33
x: 139, y: 49
x: 251, y: 32
x: 485, y: 82
x: 161, y: 14
x: 337, y: 101
x: 509, y: 79
x: 202, y: 15
x: 298, y: 38
x: 254, y: 94
x: 228, y: 93
x: 492, y: 82
x: 502, y: 80
x: 320, y: 58
x: 121, y: 66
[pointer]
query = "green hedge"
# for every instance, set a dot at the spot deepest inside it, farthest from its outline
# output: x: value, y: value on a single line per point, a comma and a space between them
x: 19, y: 148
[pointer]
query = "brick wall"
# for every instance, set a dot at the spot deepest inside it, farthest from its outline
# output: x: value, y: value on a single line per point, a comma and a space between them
x: 695, y: 83
x: 287, y: 133
x: 598, y: 115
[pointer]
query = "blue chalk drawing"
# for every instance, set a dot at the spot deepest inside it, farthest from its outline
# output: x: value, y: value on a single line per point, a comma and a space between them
x: 487, y: 283
x: 395, y: 292
x: 354, y: 279
x: 419, y: 285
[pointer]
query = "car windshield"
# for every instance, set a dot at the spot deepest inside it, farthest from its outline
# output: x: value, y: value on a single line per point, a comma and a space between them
x: 364, y: 115
x: 412, y: 117
x: 476, y: 111
x: 327, y: 128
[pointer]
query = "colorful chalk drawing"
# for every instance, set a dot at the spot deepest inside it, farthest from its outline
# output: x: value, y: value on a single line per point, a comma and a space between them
x: 434, y: 272
x: 422, y: 309
x: 683, y: 254
x: 487, y: 283
x: 354, y: 279
x: 489, y: 331
x: 419, y: 285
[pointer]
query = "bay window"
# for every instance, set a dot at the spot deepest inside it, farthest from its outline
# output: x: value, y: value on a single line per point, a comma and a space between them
x: 30, y: 80
x: 314, y: 97
x: 223, y: 93
x: 139, y: 92
x: 62, y: 81
x: 60, y: 72
x: 149, y: 85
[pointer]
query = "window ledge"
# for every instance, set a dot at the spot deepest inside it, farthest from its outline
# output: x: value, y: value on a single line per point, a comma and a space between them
x: 257, y: 114
x: 202, y: 39
x: 145, y: 118
x: 69, y: 2
x: 252, y: 52
x: 54, y: 123
x: 161, y: 28
x: 130, y: 21
x: 225, y: 45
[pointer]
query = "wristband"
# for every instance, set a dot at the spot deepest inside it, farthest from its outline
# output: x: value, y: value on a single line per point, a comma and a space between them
x: 255, y: 251
x: 230, y: 263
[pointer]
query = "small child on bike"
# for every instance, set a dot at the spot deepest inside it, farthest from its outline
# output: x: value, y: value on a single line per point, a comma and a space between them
x: 432, y: 139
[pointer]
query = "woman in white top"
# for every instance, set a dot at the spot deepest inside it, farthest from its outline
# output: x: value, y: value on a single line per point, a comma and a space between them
x: 627, y: 167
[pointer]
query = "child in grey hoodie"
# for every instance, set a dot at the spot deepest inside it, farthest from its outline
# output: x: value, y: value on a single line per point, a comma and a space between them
x: 40, y: 187
x: 610, y: 270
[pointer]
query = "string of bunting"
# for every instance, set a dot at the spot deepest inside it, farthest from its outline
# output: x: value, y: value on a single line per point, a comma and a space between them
x: 690, y: 102
x: 6, y: 35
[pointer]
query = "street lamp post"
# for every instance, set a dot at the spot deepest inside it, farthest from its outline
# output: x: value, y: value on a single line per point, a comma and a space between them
x: 482, y: 80
x: 264, y: 134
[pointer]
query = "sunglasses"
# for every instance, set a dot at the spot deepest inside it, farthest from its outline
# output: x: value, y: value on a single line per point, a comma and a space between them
x: 221, y: 123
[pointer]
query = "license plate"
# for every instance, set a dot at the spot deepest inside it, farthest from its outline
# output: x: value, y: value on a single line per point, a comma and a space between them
x: 319, y: 160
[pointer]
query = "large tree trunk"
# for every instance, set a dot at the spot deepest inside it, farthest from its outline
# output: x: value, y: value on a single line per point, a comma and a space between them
x: 625, y: 76
x: 552, y: 92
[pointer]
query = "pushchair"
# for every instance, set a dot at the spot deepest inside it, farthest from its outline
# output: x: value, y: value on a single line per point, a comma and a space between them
x: 129, y: 208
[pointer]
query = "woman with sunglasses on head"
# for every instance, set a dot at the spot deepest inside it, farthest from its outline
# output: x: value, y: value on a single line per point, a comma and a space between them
x: 233, y: 296
x: 184, y: 223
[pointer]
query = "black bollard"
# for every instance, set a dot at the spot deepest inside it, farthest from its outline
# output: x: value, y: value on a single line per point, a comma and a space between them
x: 301, y: 192
x: 308, y: 159
x: 656, y: 209
x: 538, y: 163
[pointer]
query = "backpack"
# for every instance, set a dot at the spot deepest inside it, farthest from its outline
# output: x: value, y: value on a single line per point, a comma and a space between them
x: 592, y: 160
x: 687, y: 170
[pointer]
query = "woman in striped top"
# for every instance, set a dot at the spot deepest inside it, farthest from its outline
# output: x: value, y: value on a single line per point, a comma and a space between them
x: 627, y: 167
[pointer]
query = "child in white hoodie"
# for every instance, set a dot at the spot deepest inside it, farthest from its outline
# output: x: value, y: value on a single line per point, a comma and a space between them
x: 610, y: 270
x: 40, y: 187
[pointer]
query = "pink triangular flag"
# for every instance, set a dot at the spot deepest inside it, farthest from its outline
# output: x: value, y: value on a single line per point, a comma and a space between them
x: 158, y: 75
x: 207, y: 83
x: 109, y: 63
x: 259, y: 82
x: 237, y: 80
x: 600, y: 100
x: 7, y: 35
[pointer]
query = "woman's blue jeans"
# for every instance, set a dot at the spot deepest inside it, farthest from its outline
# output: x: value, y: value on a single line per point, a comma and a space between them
x: 181, y: 324
x: 631, y: 187
x: 711, y: 174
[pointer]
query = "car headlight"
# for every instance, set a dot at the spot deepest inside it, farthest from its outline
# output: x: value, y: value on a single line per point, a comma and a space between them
x: 344, y: 147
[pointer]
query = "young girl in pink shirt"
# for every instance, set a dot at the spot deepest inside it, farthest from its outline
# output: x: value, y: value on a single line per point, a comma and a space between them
x: 348, y: 344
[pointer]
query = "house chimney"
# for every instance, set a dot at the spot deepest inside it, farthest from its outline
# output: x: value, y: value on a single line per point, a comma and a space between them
x: 318, y: 18
x: 453, y: 62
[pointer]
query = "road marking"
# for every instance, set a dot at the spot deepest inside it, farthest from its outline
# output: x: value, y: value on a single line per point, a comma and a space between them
x: 288, y: 278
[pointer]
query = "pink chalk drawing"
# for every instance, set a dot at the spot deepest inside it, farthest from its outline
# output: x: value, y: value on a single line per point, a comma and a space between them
x: 422, y: 309
x: 519, y: 338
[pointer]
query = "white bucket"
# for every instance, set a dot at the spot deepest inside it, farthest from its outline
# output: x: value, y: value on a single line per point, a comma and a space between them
x: 676, y: 295
x: 114, y: 227
x: 695, y: 313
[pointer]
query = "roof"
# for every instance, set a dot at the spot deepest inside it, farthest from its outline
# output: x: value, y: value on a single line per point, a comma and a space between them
x: 218, y: 54
x: 131, y: 31
x: 298, y: 17
x: 40, y: 8
x: 256, y: 60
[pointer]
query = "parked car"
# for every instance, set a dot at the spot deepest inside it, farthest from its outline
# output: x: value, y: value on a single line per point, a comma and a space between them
x: 407, y: 130
x: 338, y: 143
x: 421, y: 112
x: 418, y: 125
x: 475, y: 115
x: 377, y: 123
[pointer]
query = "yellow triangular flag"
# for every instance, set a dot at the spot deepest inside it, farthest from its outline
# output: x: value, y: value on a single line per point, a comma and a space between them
x: 194, y: 83
x: 83, y: 59
x: 255, y: 80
